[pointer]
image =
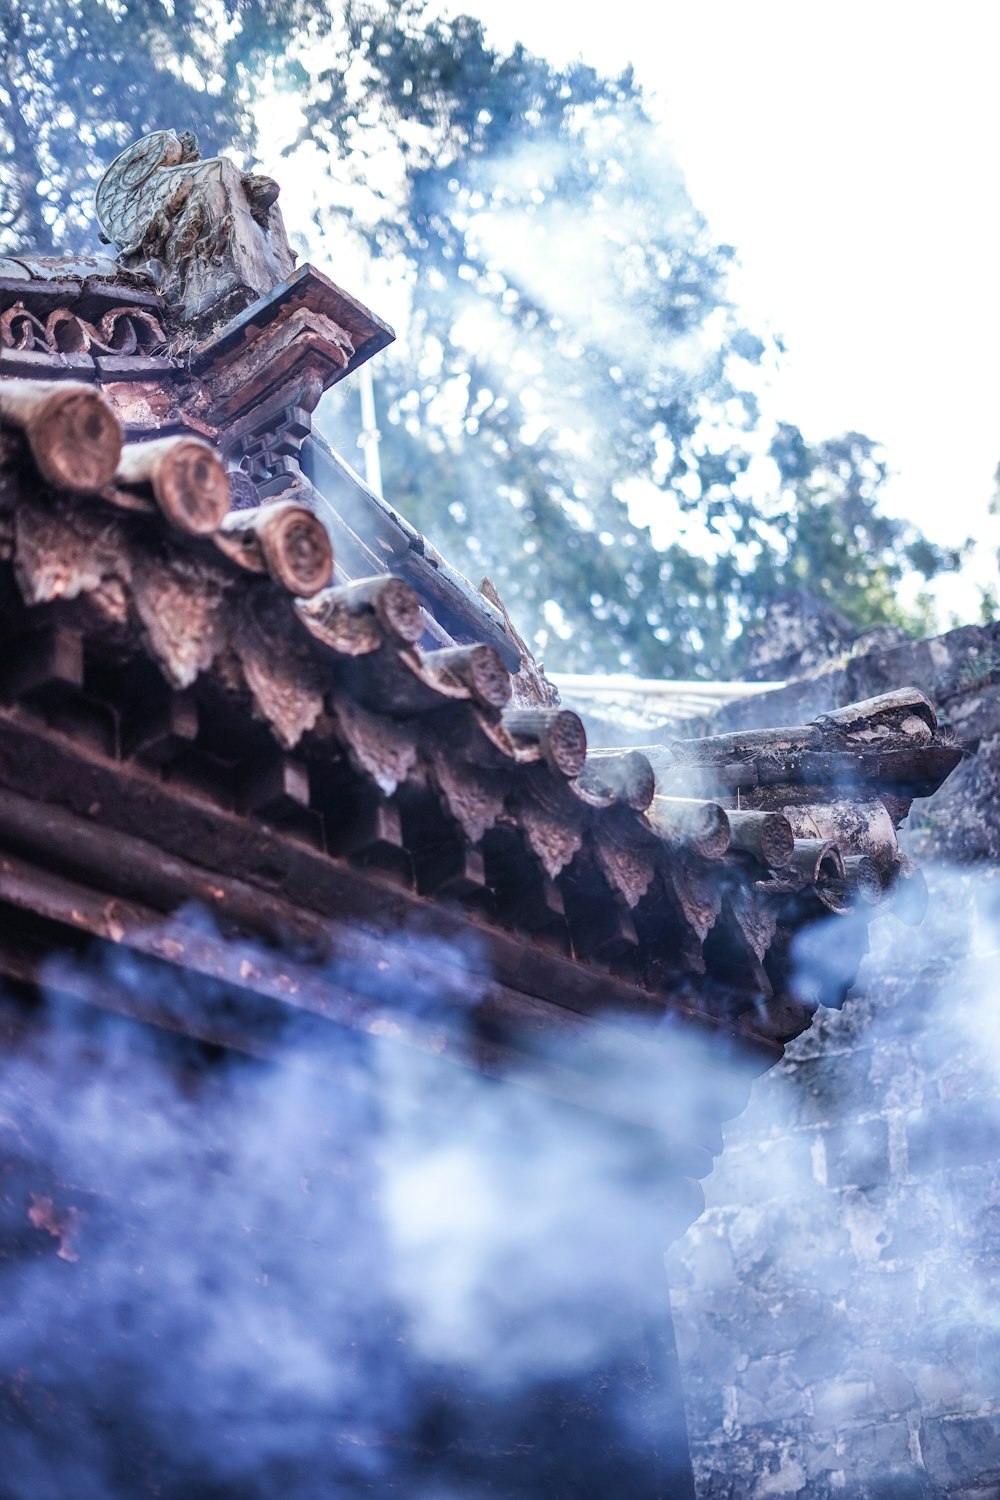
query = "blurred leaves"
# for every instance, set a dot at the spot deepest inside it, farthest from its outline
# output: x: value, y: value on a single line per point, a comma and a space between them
x: 573, y: 347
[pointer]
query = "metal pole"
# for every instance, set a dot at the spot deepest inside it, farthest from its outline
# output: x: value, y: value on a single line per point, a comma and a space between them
x: 369, y: 437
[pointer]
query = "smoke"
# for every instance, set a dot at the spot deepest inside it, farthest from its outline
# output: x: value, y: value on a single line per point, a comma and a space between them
x: 207, y: 1236
x: 352, y: 1268
x: 836, y: 1306
x: 588, y: 314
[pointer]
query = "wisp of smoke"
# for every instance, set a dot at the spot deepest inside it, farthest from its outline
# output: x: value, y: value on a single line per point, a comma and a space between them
x: 352, y: 1267
x: 357, y: 1267
x: 837, y: 1304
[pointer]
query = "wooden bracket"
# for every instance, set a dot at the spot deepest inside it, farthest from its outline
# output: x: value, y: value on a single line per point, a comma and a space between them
x: 165, y: 733
x: 45, y: 665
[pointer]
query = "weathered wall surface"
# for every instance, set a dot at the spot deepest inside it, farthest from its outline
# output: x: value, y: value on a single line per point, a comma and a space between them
x: 838, y: 1305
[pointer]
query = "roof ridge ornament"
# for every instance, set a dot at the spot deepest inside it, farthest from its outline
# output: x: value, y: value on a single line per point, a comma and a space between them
x: 211, y: 236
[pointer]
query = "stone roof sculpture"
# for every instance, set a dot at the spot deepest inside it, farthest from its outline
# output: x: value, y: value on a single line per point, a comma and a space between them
x: 208, y: 235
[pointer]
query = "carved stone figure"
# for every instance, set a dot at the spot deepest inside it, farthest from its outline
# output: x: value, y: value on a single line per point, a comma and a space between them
x: 210, y: 235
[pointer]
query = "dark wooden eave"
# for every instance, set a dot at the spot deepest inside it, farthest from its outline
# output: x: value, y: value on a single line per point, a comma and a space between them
x: 181, y: 664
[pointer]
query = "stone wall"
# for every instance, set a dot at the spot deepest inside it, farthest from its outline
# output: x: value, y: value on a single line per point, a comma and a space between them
x: 838, y: 1305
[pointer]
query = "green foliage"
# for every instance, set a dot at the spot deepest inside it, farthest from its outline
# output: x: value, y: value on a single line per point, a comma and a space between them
x: 575, y: 380
x: 823, y: 531
x: 979, y: 669
x: 571, y: 347
x: 989, y: 606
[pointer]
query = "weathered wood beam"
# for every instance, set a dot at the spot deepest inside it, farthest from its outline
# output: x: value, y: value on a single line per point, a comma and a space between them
x: 73, y: 434
x: 288, y: 540
x: 548, y: 817
x: 891, y: 709
x: 187, y: 478
x: 864, y: 880
x: 674, y: 778
x: 919, y: 769
x: 255, y: 1025
x: 276, y: 789
x: 624, y: 776
x: 698, y: 894
x: 599, y: 929
x: 394, y: 993
x: 816, y: 860
x: 746, y: 744
x: 856, y: 825
x: 767, y: 837
x: 44, y: 664
x: 187, y: 945
x: 404, y: 682
x: 684, y: 823
x: 451, y: 870
x: 38, y: 764
x: 626, y: 855
x: 163, y: 733
x: 479, y: 669
x: 372, y: 835
x: 356, y: 618
x: 473, y: 796
x: 885, y: 740
x: 556, y: 735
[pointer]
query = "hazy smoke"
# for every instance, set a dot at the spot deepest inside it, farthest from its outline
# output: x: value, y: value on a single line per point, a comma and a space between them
x: 361, y: 1269
x: 364, y: 1269
x: 837, y: 1304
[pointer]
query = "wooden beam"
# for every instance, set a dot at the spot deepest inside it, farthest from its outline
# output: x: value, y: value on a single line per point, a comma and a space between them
x: 685, y: 823
x: 198, y: 848
x: 44, y: 664
x: 187, y: 479
x: 555, y: 735
x: 293, y: 542
x: 396, y: 995
x: 354, y: 619
x: 625, y: 776
x: 74, y: 435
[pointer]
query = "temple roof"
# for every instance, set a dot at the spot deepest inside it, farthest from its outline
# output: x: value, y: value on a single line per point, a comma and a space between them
x: 233, y: 675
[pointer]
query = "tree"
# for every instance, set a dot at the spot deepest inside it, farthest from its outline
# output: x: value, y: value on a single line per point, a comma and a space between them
x: 570, y: 329
x: 575, y: 377
x: 832, y: 535
x: 576, y: 366
x: 821, y: 543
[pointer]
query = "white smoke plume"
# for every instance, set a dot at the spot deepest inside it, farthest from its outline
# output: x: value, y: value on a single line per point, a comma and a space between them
x: 837, y: 1305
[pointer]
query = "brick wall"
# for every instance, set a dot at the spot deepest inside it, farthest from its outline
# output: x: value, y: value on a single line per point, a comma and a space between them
x: 838, y: 1305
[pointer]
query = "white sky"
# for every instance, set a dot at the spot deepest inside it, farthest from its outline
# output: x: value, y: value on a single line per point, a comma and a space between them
x: 849, y: 151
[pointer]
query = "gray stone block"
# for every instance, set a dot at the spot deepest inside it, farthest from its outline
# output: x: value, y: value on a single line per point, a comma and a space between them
x: 882, y: 1448
x: 949, y: 1136
x: 846, y: 1402
x: 975, y: 1199
x: 902, y: 1481
x: 857, y: 1154
x: 862, y: 1307
x: 961, y: 1451
x: 829, y: 1089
